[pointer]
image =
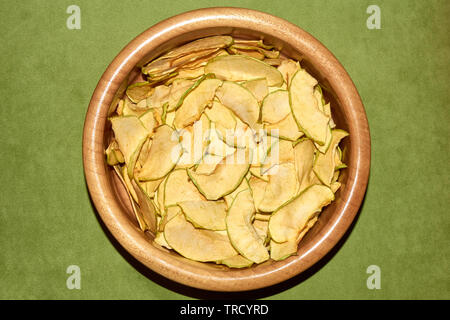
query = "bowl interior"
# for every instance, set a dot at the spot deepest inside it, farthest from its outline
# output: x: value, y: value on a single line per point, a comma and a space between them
x: 330, y: 96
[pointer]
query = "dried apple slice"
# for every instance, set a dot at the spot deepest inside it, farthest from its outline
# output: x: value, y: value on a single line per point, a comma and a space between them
x: 281, y: 251
x: 288, y: 68
x: 261, y: 228
x: 229, y: 198
x: 249, y: 53
x: 241, y: 232
x: 239, y: 100
x: 178, y: 89
x: 148, y: 121
x: 208, y: 164
x: 159, y: 97
x: 282, y: 186
x: 130, y: 134
x: 225, y: 121
x: 170, y: 212
x: 304, y: 160
x: 310, y: 120
x: 147, y: 209
x: 113, y: 154
x: 256, y: 172
x: 130, y: 189
x: 237, y: 261
x: 243, y: 68
x: 288, y: 221
x: 205, y: 214
x: 286, y: 129
x: 195, y: 102
x: 271, y: 54
x: 194, y: 141
x: 325, y: 164
x: 150, y: 187
x: 216, y: 146
x: 179, y: 188
x: 281, y: 151
x: 163, y: 156
x: 254, y: 43
x: 208, y: 245
x: 275, y: 107
x: 139, y: 91
x: 273, y: 62
x: 225, y: 179
x: 258, y: 87
x: 258, y: 187
x: 214, y: 42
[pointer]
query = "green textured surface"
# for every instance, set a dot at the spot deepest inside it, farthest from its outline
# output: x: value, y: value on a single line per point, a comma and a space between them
x: 47, y: 222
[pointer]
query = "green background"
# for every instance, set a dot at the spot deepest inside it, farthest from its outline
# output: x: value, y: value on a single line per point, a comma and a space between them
x: 49, y: 72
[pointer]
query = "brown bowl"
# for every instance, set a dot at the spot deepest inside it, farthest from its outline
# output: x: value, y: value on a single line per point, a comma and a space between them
x: 111, y: 200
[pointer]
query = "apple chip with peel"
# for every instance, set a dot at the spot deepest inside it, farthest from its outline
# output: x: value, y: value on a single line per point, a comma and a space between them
x: 208, y: 164
x: 325, y: 164
x: 241, y: 231
x: 258, y: 87
x: 227, y: 149
x: 147, y: 209
x: 225, y: 179
x: 237, y: 261
x: 130, y: 134
x: 205, y: 214
x: 287, y: 222
x: 275, y: 107
x: 178, y: 188
x: 197, y: 244
x: 283, y: 250
x: 309, y: 118
x: 243, y: 68
x: 163, y: 156
x: 282, y: 186
x: 304, y: 153
x: 239, y: 100
x: 139, y: 91
x: 195, y: 103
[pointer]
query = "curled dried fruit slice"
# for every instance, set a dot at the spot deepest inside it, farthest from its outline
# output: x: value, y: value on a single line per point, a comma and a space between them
x: 310, y: 120
x: 163, y: 156
x: 195, y: 102
x: 258, y: 87
x: 282, y: 186
x: 205, y: 214
x: 241, y: 232
x: 287, y: 222
x: 130, y: 134
x: 139, y: 91
x: 275, y: 106
x: 243, y: 68
x: 239, y: 100
x: 237, y: 261
x: 304, y: 160
x: 214, y: 42
x: 178, y: 188
x: 208, y: 245
x: 325, y: 164
x: 147, y: 209
x: 225, y: 179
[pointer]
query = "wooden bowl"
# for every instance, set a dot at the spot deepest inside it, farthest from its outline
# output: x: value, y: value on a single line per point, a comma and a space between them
x: 110, y: 198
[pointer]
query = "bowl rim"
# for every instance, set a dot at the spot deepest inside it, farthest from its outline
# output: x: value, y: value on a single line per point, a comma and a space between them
x: 130, y: 237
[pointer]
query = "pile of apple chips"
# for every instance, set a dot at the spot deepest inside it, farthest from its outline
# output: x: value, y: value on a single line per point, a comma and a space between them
x: 228, y: 151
